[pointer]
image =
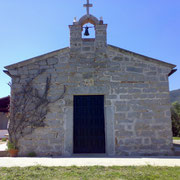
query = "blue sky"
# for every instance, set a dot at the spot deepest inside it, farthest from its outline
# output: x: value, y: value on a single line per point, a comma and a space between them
x: 30, y: 28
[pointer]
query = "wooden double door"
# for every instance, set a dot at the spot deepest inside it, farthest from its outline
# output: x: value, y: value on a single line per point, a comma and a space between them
x: 89, y: 126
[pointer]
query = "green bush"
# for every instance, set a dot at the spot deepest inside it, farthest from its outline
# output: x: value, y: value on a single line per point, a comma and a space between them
x: 175, y: 116
x: 32, y: 154
x: 4, y: 139
x: 10, y: 145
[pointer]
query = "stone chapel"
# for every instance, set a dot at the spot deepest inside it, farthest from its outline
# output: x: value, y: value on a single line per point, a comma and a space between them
x: 90, y: 98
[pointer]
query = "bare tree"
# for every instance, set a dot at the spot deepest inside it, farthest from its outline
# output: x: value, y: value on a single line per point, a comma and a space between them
x: 29, y: 109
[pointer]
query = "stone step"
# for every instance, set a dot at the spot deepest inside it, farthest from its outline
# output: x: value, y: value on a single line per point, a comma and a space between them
x: 4, y: 154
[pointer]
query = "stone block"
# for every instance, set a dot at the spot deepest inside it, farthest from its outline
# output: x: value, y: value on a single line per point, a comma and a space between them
x: 62, y: 79
x: 69, y: 102
x: 108, y: 103
x: 123, y: 133
x: 87, y: 75
x: 153, y: 73
x: 141, y: 85
x: 134, y: 90
x: 33, y: 71
x: 165, y: 133
x: 53, y: 60
x: 168, y: 113
x: 140, y: 64
x: 139, y: 126
x: 43, y: 62
x: 134, y: 69
x: 123, y: 77
x: 133, y: 142
x: 105, y: 78
x: 63, y: 59
x: 147, y: 115
x: 115, y: 68
x: 123, y: 97
x: 85, y: 70
x: 125, y: 121
x: 75, y: 78
x: 86, y: 49
x: 119, y: 116
x: 88, y: 90
x: 44, y: 67
x: 162, y: 95
x: 158, y: 141
x: 13, y: 72
x: 122, y: 106
x: 135, y: 115
x: 119, y: 90
x: 147, y: 141
x: 118, y: 58
x: 33, y: 66
x: 145, y: 133
x: 111, y: 97
x: 150, y: 90
x: 53, y: 123
x: 61, y: 65
x: 151, y: 78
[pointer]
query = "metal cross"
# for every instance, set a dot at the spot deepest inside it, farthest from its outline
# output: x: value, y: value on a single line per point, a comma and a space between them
x: 88, y: 6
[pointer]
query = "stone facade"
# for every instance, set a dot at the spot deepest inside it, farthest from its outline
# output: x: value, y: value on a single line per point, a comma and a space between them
x: 135, y: 87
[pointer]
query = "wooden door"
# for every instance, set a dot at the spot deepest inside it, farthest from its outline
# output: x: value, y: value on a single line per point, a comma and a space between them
x: 89, y: 127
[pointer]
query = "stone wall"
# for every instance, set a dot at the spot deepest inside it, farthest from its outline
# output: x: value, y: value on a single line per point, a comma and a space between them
x: 136, y: 91
x: 48, y: 140
x: 136, y: 102
x: 140, y: 96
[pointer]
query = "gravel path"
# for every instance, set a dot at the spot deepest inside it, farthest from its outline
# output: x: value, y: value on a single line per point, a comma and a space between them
x: 84, y: 161
x: 139, y: 161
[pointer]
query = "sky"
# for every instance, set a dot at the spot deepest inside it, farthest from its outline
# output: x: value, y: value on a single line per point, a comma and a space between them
x: 29, y: 28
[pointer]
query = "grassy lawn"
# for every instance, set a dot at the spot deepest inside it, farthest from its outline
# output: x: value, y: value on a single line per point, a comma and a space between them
x: 94, y: 173
x: 176, y: 138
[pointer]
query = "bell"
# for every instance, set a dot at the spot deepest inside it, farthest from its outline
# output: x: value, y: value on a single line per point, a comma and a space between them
x: 86, y: 31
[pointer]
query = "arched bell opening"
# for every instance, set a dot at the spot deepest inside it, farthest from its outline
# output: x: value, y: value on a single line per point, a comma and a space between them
x: 88, y: 19
x: 88, y: 31
x: 88, y: 24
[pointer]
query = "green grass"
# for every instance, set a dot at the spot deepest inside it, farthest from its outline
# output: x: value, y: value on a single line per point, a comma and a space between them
x: 176, y: 138
x: 93, y: 173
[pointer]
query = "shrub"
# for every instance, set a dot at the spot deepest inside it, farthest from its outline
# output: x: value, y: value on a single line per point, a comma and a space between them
x: 175, y: 116
x: 32, y: 154
x: 10, y: 145
x: 4, y: 139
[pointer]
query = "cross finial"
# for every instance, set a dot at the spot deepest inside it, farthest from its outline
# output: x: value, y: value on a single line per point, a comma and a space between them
x: 88, y: 6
